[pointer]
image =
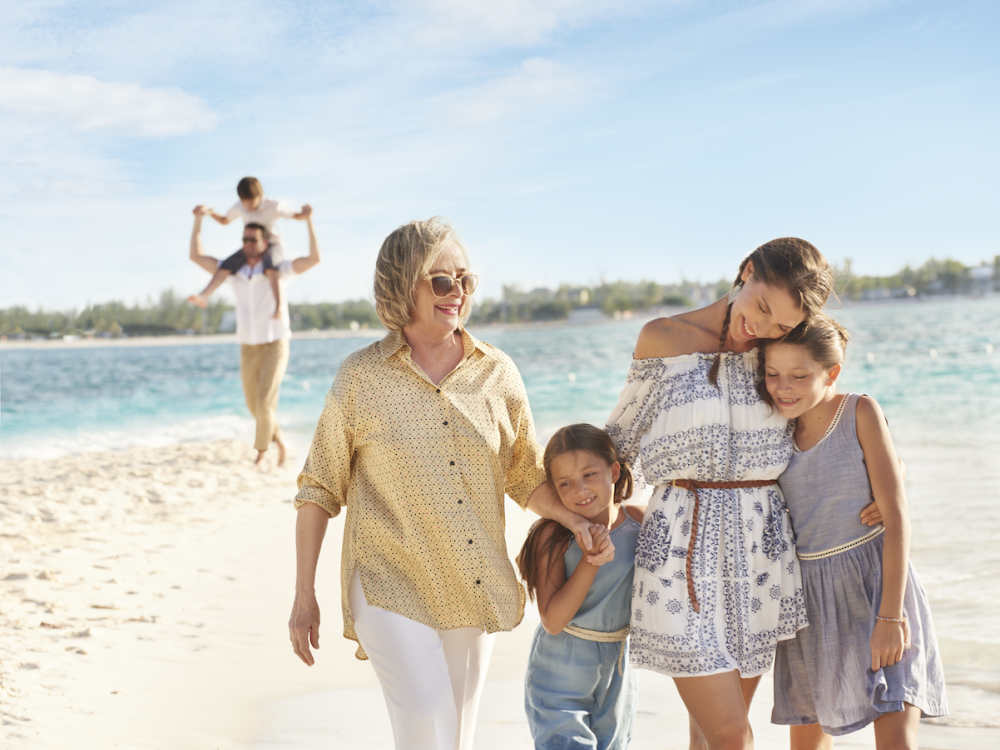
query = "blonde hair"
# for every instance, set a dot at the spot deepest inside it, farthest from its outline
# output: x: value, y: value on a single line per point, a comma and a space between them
x: 404, y: 260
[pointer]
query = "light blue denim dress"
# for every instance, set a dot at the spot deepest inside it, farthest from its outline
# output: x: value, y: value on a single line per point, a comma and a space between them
x: 824, y: 675
x: 573, y: 694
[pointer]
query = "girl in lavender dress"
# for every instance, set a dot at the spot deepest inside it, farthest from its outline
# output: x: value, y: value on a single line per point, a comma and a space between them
x: 869, y: 653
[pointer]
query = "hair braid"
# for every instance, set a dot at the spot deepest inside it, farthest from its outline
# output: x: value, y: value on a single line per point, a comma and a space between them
x: 713, y: 371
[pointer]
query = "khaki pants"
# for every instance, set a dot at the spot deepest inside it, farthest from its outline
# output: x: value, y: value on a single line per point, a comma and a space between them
x: 262, y: 367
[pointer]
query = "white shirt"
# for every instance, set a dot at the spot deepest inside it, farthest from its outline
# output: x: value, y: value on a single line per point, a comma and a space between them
x: 266, y: 214
x: 255, y: 304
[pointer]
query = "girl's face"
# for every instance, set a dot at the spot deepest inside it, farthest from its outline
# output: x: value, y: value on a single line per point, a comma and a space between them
x: 762, y: 311
x: 585, y: 483
x: 795, y: 380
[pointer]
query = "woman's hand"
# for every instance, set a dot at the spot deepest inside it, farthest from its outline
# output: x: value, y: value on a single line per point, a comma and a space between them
x: 889, y: 640
x: 303, y: 626
x: 582, y: 530
x: 603, y: 548
x: 871, y: 515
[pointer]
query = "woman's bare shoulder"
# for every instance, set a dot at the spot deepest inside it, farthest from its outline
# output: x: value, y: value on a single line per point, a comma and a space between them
x: 671, y: 337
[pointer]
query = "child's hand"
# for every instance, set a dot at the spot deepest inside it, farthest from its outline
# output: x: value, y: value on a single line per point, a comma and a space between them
x: 198, y: 300
x: 871, y: 515
x: 202, y: 210
x: 277, y: 315
x: 306, y: 211
x: 889, y: 641
x: 602, y: 548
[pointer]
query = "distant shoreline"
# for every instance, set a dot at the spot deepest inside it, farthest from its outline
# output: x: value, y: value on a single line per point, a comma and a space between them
x: 215, y: 338
x: 336, y: 333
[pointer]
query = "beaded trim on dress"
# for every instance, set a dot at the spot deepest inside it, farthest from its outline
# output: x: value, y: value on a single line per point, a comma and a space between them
x: 833, y: 424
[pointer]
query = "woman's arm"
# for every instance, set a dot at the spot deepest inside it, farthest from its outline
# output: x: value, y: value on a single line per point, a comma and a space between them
x: 559, y: 598
x: 889, y: 638
x: 323, y: 488
x: 303, y: 625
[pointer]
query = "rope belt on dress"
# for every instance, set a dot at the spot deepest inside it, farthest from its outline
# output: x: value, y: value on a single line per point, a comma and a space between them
x: 694, y: 485
x: 843, y: 547
x: 602, y: 637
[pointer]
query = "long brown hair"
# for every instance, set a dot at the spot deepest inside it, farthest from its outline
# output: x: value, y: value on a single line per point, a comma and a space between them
x: 792, y: 264
x: 574, y: 437
x: 823, y: 337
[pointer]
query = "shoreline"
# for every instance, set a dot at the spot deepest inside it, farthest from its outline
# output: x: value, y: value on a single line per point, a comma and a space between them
x: 214, y: 338
x: 220, y: 338
x: 337, y: 333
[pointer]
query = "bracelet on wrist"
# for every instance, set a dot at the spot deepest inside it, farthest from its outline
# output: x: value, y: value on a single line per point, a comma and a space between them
x: 901, y: 621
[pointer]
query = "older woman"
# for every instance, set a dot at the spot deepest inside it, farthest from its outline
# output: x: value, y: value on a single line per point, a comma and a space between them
x: 422, y: 435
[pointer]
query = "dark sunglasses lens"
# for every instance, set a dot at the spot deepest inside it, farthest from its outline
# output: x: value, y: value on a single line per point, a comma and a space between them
x: 441, y: 285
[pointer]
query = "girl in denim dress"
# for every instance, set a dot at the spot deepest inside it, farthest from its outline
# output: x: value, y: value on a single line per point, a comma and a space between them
x: 579, y: 691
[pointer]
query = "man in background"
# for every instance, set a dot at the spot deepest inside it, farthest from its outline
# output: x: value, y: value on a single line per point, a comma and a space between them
x: 263, y: 338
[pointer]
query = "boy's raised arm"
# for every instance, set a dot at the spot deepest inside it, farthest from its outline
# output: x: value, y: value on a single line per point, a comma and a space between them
x: 197, y: 254
x: 301, y: 265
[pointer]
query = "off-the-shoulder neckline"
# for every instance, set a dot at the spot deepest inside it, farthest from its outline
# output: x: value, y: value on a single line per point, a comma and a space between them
x: 693, y: 355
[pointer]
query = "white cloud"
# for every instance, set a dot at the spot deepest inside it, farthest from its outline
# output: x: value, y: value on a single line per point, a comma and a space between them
x: 90, y: 104
x: 535, y: 84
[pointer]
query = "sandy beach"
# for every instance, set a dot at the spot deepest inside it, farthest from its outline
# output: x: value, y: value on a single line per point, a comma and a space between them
x: 145, y: 595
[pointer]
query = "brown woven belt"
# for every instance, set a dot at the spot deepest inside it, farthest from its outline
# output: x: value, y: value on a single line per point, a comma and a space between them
x: 694, y: 485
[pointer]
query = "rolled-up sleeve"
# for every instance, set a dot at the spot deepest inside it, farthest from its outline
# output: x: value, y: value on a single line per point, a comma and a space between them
x: 327, y: 472
x: 525, y: 472
x: 422, y: 468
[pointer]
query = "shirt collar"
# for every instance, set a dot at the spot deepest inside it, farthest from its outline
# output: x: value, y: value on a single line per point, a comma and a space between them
x: 395, y: 341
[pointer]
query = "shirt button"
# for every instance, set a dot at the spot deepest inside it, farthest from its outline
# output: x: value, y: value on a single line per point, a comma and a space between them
x: 438, y: 390
x: 470, y: 541
x: 478, y: 582
x: 446, y: 423
x: 452, y: 463
x: 460, y: 502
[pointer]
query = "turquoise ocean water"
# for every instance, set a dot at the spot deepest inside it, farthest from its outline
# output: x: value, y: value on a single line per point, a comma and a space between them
x: 934, y: 366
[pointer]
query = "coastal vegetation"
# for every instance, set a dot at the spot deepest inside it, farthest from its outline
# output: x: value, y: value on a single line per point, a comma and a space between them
x: 172, y: 314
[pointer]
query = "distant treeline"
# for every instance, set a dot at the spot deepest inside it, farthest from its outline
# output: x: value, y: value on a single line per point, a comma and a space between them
x: 933, y: 277
x: 172, y: 314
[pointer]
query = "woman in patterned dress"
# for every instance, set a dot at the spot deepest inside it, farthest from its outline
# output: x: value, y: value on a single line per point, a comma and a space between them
x: 421, y: 436
x: 717, y: 584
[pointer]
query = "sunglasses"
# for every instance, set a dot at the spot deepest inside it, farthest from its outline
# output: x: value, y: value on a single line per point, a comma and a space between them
x: 442, y: 285
x: 250, y: 240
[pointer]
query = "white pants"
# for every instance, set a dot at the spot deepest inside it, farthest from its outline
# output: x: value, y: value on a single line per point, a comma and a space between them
x: 431, y: 679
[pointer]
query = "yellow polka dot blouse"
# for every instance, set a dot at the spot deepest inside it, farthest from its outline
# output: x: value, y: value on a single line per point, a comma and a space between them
x: 423, y: 470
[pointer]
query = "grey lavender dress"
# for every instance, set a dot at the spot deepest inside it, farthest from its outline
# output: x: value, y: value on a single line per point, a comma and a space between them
x: 824, y: 675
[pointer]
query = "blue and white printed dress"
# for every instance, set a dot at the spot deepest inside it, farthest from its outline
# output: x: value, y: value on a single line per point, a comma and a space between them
x: 671, y: 423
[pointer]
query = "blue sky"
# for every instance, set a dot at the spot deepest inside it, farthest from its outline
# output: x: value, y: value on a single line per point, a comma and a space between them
x: 568, y: 140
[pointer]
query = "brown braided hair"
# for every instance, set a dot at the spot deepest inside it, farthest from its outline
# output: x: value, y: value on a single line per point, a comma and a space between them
x: 574, y: 437
x: 792, y: 264
x: 824, y: 338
